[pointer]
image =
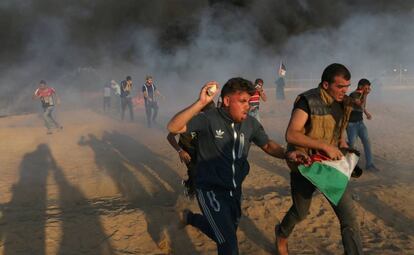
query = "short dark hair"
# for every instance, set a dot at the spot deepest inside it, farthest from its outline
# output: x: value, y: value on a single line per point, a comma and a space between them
x: 42, y: 82
x: 363, y: 82
x: 258, y: 80
x: 237, y: 84
x: 334, y: 70
x: 128, y: 78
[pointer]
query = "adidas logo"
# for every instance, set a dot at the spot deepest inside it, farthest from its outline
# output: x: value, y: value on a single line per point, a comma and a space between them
x: 219, y: 133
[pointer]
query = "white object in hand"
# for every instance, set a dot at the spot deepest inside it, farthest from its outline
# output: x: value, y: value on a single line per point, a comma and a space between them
x: 211, y: 90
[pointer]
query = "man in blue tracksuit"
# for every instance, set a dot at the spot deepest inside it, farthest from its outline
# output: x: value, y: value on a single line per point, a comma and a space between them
x: 224, y: 135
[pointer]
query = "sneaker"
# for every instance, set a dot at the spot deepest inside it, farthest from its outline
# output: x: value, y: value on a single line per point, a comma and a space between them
x: 184, y: 217
x: 372, y: 168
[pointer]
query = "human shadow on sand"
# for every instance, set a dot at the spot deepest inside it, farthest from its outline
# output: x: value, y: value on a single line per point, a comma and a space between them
x: 156, y: 191
x: 26, y: 215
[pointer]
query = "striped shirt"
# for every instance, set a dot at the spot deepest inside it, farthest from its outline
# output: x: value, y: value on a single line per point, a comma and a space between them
x: 254, y: 101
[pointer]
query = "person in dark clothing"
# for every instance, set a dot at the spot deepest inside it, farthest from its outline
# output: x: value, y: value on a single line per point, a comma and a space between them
x: 126, y: 98
x: 356, y: 127
x: 224, y: 135
x: 151, y: 93
x: 317, y: 125
x: 280, y: 88
x: 187, y: 151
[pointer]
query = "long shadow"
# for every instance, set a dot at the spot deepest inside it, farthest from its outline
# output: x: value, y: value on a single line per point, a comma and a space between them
x: 82, y: 231
x: 112, y: 153
x: 24, y: 217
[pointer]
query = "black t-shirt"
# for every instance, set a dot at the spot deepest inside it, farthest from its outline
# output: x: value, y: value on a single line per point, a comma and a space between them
x: 357, y: 112
x: 336, y: 107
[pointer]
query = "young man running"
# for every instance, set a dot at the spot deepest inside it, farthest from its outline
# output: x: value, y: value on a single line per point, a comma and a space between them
x: 224, y: 137
x: 49, y: 99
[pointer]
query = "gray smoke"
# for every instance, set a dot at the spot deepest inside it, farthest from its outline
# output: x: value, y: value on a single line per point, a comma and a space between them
x: 79, y: 45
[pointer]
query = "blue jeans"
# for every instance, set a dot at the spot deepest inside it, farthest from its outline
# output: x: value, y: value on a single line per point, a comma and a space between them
x: 355, y: 129
x: 50, y: 122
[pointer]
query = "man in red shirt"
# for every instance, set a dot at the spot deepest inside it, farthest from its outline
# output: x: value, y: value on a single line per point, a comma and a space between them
x: 254, y: 101
x: 49, y: 99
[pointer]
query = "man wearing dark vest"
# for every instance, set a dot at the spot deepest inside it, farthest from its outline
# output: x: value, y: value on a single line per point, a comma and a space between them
x: 150, y: 93
x: 319, y: 119
x: 356, y: 127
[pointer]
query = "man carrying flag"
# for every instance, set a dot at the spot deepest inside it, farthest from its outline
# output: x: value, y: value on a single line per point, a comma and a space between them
x: 280, y: 82
x: 317, y: 126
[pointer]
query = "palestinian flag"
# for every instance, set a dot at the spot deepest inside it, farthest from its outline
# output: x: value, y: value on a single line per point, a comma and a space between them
x: 331, y: 177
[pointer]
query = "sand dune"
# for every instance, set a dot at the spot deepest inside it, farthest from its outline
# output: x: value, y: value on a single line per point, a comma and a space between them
x: 101, y: 186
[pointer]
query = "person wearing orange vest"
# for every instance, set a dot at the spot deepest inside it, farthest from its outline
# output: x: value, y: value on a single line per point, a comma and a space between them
x: 254, y: 101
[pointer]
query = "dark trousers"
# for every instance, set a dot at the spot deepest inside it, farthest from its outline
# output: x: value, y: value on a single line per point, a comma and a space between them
x: 302, y: 191
x: 106, y: 103
x: 127, y: 102
x: 151, y: 110
x: 220, y: 218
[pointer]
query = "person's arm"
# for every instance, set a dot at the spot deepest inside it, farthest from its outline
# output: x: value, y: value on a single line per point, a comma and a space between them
x: 342, y: 141
x: 262, y: 94
x: 157, y: 92
x: 260, y: 138
x: 184, y: 156
x: 144, y: 92
x: 35, y: 94
x: 369, y: 116
x: 295, y: 136
x: 274, y: 149
x: 178, y: 124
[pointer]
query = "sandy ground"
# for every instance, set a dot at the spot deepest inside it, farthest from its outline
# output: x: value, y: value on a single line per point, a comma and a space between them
x: 102, y: 186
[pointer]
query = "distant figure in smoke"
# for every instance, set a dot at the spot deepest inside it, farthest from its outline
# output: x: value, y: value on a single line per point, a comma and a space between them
x: 280, y: 83
x: 317, y: 125
x: 151, y: 93
x: 49, y: 99
x: 224, y: 136
x: 117, y: 95
x: 106, y: 98
x: 126, y: 98
x: 187, y: 151
x: 356, y: 127
x: 254, y: 101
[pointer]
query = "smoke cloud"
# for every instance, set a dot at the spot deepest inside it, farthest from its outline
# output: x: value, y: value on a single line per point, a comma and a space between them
x: 80, y: 45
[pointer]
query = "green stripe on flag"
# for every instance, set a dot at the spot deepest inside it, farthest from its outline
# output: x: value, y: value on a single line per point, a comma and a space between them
x: 330, y: 181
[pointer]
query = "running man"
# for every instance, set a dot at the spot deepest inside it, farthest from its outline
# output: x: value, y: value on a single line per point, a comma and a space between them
x: 317, y: 124
x: 224, y: 136
x: 49, y: 99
